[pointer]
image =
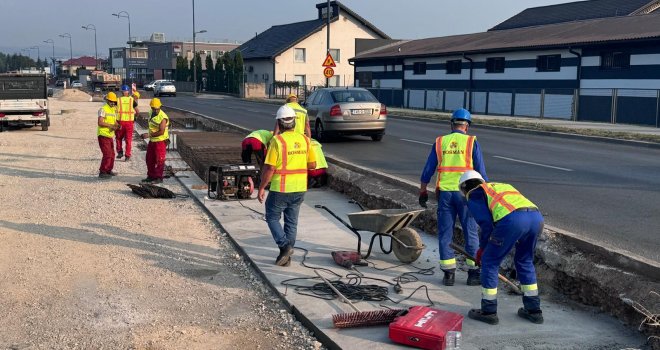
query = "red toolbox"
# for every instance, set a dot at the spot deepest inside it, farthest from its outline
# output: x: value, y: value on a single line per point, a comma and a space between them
x: 426, y: 328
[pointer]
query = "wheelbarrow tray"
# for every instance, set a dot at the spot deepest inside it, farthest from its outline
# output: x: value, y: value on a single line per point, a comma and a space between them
x: 382, y: 220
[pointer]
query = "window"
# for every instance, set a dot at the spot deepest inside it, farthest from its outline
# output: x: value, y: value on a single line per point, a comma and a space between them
x: 117, y: 54
x: 419, y: 68
x: 299, y: 55
x: 548, y: 63
x: 614, y: 60
x: 353, y: 96
x: 326, y: 99
x: 310, y: 98
x: 364, y: 79
x: 335, y: 55
x: 454, y: 66
x: 334, y: 81
x: 495, y: 65
x: 300, y: 79
x: 219, y: 54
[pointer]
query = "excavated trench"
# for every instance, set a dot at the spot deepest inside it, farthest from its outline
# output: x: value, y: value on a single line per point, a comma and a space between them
x: 582, y: 271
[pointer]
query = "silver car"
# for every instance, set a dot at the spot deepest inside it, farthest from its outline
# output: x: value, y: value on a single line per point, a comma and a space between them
x: 164, y: 88
x: 346, y: 111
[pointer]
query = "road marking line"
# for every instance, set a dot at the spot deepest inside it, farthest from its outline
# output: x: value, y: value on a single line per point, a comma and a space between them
x: 532, y: 163
x: 420, y: 142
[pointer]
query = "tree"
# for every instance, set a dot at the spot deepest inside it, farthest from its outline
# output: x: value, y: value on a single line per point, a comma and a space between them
x: 229, y: 72
x: 220, y: 74
x: 182, y: 71
x: 198, y: 62
x: 210, y: 74
x: 238, y: 71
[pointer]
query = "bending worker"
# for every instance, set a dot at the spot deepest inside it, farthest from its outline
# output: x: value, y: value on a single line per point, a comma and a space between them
x: 507, y: 219
x: 285, y: 168
x: 302, y: 121
x: 255, y: 143
x: 318, y: 176
x: 451, y: 156
x: 105, y: 131
x: 126, y: 109
x: 159, y: 137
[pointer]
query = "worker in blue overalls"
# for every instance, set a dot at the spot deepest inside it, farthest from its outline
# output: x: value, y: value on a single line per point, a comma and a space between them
x: 451, y: 156
x: 507, y: 219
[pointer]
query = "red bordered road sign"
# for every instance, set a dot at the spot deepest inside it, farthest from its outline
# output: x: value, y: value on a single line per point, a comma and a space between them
x: 328, y: 72
x: 329, y: 61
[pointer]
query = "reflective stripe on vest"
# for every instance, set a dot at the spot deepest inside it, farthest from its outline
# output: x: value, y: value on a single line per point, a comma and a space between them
x: 125, y: 109
x: 154, y: 126
x: 503, y: 199
x: 454, y: 153
x: 301, y: 117
x: 291, y: 174
x: 264, y: 136
x: 110, y: 118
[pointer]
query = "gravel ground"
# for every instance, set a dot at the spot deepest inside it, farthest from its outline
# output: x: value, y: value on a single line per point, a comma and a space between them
x: 85, y: 264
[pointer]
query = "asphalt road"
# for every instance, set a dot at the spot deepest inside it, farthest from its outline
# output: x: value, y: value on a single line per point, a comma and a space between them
x: 608, y: 192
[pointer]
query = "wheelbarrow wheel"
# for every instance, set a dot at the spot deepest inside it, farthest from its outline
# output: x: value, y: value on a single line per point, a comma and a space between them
x: 410, y: 238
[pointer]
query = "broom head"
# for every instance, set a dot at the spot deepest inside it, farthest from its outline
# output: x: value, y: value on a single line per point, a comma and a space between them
x: 366, y: 318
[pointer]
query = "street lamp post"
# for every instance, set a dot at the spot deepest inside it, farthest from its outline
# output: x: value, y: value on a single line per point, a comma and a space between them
x: 38, y: 52
x: 67, y: 35
x: 96, y: 52
x: 52, y: 58
x: 124, y: 14
x: 194, y: 48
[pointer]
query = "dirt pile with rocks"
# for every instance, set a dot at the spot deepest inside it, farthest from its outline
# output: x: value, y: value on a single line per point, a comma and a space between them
x: 75, y: 95
x: 86, y: 264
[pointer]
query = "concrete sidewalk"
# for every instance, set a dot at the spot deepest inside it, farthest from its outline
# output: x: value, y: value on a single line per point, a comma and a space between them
x: 566, y: 326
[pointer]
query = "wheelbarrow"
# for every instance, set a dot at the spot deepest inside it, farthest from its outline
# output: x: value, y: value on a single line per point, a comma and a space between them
x: 392, y: 223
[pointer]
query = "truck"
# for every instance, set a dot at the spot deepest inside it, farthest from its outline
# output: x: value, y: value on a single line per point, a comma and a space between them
x: 100, y: 80
x: 24, y: 100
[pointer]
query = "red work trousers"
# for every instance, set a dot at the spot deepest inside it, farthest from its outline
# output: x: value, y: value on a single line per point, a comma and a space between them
x: 156, y: 152
x: 108, y: 158
x: 125, y: 133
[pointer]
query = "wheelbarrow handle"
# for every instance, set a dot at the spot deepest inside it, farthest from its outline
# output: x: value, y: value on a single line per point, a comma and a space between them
x: 499, y: 275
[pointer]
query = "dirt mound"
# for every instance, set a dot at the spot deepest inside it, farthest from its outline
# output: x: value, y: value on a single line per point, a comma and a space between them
x: 75, y: 95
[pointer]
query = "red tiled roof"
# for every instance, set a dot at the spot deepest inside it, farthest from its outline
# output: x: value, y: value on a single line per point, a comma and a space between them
x: 81, y: 61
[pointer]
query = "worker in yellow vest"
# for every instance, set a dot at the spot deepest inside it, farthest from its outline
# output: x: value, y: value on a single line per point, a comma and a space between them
x: 126, y: 109
x: 289, y: 157
x: 507, y: 220
x: 452, y: 155
x: 158, y: 136
x: 255, y: 143
x: 105, y: 132
x: 302, y: 120
x: 317, y: 177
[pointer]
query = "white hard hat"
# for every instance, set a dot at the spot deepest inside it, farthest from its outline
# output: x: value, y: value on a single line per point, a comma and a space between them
x: 466, y: 187
x: 285, y: 112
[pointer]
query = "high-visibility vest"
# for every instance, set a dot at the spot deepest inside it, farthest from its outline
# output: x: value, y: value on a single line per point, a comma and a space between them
x: 154, y: 126
x: 110, y: 118
x: 125, y: 109
x: 504, y: 199
x: 301, y: 117
x: 321, y: 163
x: 291, y: 174
x: 262, y: 135
x: 454, y: 153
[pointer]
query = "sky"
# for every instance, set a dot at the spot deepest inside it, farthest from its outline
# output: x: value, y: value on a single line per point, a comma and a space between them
x: 35, y: 21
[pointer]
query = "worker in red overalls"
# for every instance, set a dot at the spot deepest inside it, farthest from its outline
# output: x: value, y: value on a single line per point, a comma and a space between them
x: 126, y: 110
x: 158, y: 136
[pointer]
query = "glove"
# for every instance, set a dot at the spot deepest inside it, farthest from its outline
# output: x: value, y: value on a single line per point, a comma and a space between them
x: 480, y: 252
x: 423, y: 198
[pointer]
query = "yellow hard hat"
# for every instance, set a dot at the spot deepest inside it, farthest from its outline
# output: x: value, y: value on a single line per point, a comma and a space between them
x: 111, y: 97
x: 155, y: 103
x: 136, y: 94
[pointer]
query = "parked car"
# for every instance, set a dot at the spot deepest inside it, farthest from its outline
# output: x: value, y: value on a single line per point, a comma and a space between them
x: 50, y: 92
x: 76, y: 84
x: 59, y: 82
x: 346, y: 111
x: 165, y: 88
x: 150, y: 86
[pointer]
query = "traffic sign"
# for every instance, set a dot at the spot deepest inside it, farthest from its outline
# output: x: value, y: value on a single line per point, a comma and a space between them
x: 328, y: 72
x: 329, y: 61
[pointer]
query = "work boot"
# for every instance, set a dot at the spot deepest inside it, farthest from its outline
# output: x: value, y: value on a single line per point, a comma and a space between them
x: 285, y: 256
x: 448, y: 279
x: 147, y: 180
x: 112, y: 173
x: 474, y: 277
x: 476, y: 314
x: 534, y: 317
x: 120, y: 155
x: 127, y: 158
x: 156, y: 181
x: 104, y: 176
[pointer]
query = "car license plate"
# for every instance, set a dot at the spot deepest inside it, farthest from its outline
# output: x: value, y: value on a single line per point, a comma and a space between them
x: 359, y: 111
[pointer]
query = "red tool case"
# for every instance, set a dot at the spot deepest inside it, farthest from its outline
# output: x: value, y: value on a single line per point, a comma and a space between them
x: 427, y: 328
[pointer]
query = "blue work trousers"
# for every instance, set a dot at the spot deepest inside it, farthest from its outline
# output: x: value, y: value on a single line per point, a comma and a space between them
x: 289, y: 204
x: 450, y: 204
x: 520, y: 229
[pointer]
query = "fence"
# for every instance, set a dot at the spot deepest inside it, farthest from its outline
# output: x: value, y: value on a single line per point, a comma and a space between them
x: 625, y: 106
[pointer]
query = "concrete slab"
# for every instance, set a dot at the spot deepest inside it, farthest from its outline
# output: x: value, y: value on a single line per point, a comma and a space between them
x: 566, y: 327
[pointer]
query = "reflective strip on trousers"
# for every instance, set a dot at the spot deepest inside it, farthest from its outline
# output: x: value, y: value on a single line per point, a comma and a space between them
x: 471, y: 264
x: 489, y: 293
x: 530, y: 290
x: 448, y: 264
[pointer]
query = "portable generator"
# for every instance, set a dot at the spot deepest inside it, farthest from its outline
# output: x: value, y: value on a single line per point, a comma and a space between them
x: 427, y: 328
x: 232, y: 180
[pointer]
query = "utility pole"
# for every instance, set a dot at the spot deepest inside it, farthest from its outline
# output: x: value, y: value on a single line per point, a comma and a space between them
x: 328, y: 13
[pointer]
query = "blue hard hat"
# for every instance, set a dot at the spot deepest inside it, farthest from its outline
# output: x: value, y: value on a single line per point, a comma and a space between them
x: 125, y: 88
x: 462, y: 114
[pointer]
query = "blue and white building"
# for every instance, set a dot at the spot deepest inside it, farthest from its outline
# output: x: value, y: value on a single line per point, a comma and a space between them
x: 599, y: 69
